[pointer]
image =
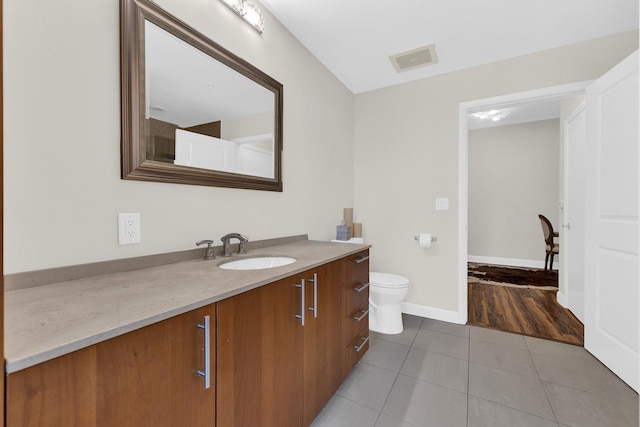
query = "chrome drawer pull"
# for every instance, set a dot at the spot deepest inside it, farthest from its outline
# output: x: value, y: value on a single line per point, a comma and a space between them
x: 361, y: 288
x: 302, y: 310
x: 361, y: 260
x: 206, y: 373
x: 362, y: 316
x: 358, y: 348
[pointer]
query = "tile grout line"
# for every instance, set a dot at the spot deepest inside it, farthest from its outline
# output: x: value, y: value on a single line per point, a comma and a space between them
x: 387, y: 398
x: 546, y: 395
x: 528, y: 351
x: 397, y: 373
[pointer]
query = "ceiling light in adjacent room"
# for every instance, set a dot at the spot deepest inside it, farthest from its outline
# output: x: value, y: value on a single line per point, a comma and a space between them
x: 493, y: 115
x: 247, y: 11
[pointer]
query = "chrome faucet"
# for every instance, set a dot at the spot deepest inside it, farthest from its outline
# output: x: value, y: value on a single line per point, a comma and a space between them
x: 209, y: 252
x: 226, y: 245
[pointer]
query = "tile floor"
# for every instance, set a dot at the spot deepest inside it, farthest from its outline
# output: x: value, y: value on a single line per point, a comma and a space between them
x: 442, y: 374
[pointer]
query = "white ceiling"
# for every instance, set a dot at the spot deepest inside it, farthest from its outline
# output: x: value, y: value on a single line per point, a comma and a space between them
x: 187, y: 87
x: 354, y: 38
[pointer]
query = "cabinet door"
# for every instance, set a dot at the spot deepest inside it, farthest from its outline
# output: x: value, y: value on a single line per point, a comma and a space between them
x: 259, y: 346
x: 322, y: 341
x: 60, y: 392
x: 149, y: 377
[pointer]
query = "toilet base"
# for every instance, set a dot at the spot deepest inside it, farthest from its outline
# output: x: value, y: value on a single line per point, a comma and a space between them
x: 386, y: 320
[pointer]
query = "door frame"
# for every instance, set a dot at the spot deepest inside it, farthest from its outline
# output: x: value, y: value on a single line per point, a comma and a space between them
x: 563, y: 296
x: 543, y: 94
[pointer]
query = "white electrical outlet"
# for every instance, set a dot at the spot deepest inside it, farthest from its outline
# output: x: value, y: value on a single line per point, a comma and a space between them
x: 128, y: 228
x: 442, y: 204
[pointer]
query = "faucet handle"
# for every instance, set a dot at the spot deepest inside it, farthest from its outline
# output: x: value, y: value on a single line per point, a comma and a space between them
x: 243, y: 239
x: 209, y: 253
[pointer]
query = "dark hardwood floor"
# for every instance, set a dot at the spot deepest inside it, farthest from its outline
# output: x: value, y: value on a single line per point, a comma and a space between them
x: 526, y: 311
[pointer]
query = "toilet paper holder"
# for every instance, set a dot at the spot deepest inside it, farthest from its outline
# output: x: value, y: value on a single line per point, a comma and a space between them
x: 433, y: 238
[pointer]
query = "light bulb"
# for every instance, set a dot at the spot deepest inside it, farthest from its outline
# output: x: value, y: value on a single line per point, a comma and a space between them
x: 236, y: 5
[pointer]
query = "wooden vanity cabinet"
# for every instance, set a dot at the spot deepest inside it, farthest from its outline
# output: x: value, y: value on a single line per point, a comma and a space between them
x: 355, y: 326
x: 267, y: 368
x: 259, y: 345
x: 145, y: 377
x: 273, y: 371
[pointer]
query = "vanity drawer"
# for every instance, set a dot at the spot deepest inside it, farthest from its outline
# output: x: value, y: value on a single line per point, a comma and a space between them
x: 354, y: 322
x: 355, y: 350
x: 357, y: 265
x: 357, y: 294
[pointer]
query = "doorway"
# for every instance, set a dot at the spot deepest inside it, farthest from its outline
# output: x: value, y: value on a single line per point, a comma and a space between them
x: 497, y: 103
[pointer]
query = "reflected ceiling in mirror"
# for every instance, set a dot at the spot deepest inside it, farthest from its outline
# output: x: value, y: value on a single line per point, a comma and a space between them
x: 193, y: 112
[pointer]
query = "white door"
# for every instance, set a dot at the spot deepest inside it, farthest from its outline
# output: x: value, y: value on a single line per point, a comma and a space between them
x: 611, y: 238
x: 573, y: 228
x: 205, y: 152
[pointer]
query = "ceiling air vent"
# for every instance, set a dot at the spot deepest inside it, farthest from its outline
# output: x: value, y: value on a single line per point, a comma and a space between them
x: 415, y: 58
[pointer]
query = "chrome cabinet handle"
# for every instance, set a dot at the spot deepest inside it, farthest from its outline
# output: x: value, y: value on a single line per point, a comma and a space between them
x: 362, y: 316
x: 206, y: 373
x: 361, y: 288
x: 315, y: 295
x: 302, y: 310
x: 364, y: 341
x: 361, y: 260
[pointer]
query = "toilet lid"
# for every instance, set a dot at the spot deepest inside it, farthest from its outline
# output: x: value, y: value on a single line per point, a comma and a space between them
x: 386, y: 280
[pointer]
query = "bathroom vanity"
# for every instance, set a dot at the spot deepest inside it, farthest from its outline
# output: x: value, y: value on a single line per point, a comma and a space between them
x: 273, y: 344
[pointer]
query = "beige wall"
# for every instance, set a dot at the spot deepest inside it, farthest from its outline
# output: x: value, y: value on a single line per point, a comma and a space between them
x: 513, y: 177
x: 62, y: 134
x: 242, y: 127
x: 406, y: 156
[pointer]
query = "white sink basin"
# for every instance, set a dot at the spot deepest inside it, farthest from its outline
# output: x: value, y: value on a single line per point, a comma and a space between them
x: 257, y: 263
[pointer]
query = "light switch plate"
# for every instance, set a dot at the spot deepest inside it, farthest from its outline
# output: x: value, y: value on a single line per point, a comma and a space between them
x: 442, y: 204
x: 128, y: 228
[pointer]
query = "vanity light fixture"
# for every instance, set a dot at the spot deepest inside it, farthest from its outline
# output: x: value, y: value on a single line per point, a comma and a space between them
x: 247, y: 11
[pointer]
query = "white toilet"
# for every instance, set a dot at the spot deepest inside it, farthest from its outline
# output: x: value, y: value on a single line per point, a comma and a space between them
x: 386, y: 293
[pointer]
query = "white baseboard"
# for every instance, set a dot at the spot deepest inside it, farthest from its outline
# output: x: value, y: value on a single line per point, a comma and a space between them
x: 513, y: 262
x: 561, y: 299
x: 431, y: 312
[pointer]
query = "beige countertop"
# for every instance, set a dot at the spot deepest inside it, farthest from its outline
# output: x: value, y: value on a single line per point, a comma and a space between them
x: 48, y: 321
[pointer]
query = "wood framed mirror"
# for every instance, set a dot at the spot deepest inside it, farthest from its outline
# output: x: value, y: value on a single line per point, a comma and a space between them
x: 193, y: 112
